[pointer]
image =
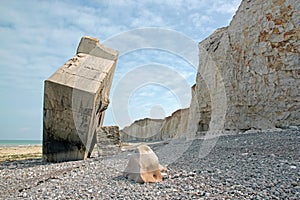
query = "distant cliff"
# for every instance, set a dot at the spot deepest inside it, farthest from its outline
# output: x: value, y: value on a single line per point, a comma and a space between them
x: 175, y: 126
x: 142, y: 130
x: 157, y: 129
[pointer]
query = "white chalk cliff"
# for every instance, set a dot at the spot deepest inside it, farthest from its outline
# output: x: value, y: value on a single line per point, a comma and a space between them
x: 249, y: 72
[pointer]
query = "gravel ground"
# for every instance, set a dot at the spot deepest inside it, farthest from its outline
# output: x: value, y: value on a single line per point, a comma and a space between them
x: 260, y: 165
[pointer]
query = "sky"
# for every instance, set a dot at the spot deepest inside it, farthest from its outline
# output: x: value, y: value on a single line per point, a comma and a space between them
x: 155, y: 69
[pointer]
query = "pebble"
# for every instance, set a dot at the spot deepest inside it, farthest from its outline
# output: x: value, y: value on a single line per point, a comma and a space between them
x: 294, y: 184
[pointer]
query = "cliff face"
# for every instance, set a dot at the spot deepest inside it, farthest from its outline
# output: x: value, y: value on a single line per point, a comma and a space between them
x: 157, y: 129
x: 142, y: 130
x: 175, y: 125
x: 249, y: 72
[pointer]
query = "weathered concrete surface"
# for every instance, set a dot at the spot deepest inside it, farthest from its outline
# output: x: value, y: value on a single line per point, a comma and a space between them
x: 249, y: 73
x: 143, y: 166
x: 75, y: 98
x: 108, y: 141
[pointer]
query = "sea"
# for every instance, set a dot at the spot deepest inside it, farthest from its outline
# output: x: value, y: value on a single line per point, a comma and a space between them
x: 18, y: 143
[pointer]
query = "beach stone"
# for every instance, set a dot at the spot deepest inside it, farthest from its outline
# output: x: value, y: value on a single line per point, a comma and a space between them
x: 143, y: 166
x: 294, y: 184
x: 75, y: 98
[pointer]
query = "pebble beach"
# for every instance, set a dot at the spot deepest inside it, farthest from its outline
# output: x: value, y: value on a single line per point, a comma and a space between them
x: 256, y: 165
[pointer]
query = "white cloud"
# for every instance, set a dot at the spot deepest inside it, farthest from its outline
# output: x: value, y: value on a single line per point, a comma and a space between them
x: 200, y: 20
x: 151, y: 18
x: 227, y: 7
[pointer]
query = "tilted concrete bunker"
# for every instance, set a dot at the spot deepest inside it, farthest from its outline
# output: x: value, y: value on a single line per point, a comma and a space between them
x: 75, y: 99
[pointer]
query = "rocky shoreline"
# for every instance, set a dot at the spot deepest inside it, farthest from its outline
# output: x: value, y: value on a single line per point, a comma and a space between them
x: 260, y: 165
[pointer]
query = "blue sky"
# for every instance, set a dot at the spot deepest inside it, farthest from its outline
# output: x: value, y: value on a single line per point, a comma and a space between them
x: 37, y: 37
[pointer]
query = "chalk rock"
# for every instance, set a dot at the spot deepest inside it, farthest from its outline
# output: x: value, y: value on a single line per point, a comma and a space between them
x: 143, y: 166
x: 193, y: 126
x: 175, y: 126
x: 75, y: 98
x: 108, y: 141
x: 248, y: 75
x: 144, y: 130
